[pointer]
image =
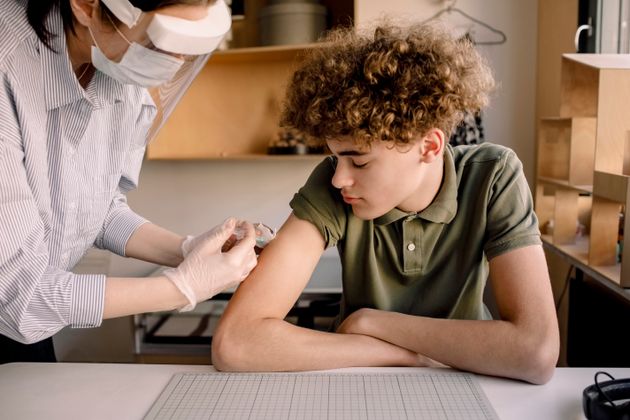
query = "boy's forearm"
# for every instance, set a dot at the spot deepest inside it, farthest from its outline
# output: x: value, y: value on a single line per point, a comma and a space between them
x: 497, y: 348
x: 276, y: 345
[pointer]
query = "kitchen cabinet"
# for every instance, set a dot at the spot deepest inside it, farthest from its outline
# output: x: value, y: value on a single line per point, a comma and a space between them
x: 232, y: 108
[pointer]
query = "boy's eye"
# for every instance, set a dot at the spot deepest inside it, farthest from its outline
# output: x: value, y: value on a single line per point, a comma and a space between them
x: 357, y: 165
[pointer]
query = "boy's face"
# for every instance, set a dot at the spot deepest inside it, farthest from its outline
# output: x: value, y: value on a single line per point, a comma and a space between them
x: 378, y: 178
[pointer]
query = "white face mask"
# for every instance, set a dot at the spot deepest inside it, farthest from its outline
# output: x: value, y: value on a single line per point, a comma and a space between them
x: 139, y: 65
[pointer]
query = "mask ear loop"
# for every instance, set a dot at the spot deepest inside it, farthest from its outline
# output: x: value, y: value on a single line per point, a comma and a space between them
x: 93, y: 38
x: 601, y: 391
x: 117, y: 30
x: 115, y: 27
x: 129, y: 42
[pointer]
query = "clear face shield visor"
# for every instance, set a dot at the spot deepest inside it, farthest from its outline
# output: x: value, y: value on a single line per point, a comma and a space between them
x: 189, y: 41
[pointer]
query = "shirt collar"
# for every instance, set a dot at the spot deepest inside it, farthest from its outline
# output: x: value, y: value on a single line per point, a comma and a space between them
x: 443, y: 207
x: 62, y: 87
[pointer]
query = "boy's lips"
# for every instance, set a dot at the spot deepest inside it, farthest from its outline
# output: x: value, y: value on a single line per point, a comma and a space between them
x: 349, y: 199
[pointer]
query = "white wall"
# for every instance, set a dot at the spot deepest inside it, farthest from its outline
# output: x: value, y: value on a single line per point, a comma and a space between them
x: 189, y: 197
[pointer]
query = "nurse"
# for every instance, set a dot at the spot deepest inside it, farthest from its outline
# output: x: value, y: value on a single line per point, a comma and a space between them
x: 85, y: 84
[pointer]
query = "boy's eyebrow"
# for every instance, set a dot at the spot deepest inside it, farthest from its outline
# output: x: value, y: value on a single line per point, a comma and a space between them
x: 351, y: 153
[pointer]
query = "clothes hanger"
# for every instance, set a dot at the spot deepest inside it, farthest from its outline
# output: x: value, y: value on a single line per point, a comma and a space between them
x: 450, y: 8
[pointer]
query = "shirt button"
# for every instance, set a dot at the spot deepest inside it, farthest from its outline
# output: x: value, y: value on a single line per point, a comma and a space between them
x: 73, y: 205
x: 71, y: 151
x: 411, y: 246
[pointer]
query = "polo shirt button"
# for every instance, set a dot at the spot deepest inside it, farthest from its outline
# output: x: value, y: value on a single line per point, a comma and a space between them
x: 411, y: 246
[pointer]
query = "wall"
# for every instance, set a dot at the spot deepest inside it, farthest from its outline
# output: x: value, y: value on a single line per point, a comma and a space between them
x: 189, y: 197
x: 557, y: 22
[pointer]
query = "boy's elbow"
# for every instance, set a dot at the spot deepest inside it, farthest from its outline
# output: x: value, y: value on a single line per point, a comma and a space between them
x: 540, y: 371
x: 541, y: 360
x: 227, y: 350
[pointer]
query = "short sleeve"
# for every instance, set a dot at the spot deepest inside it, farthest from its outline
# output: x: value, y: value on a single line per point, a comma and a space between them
x: 319, y: 203
x: 512, y: 222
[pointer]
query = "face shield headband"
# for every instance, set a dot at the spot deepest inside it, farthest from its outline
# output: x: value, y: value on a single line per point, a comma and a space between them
x: 177, y: 35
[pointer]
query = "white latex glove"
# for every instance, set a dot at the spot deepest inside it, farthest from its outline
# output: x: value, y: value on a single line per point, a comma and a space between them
x: 191, y: 241
x: 206, y: 270
x: 264, y: 235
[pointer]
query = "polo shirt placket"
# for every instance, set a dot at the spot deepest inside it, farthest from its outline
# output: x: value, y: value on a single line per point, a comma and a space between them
x: 413, y: 234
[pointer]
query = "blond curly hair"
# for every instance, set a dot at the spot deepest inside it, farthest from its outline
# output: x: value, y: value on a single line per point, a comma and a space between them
x: 389, y: 84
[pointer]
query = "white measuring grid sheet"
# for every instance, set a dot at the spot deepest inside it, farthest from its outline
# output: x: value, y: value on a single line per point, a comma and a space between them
x: 274, y: 396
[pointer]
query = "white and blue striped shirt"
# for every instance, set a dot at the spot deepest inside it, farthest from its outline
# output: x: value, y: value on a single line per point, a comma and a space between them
x: 68, y: 156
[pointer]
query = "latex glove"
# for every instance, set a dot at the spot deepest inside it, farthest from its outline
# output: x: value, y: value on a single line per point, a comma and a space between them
x: 264, y: 235
x: 206, y: 270
x: 191, y: 241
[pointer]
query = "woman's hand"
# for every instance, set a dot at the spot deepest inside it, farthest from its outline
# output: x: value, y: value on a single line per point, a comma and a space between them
x: 207, y: 270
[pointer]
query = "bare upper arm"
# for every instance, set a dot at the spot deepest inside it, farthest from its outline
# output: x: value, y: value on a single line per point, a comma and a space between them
x: 521, y: 285
x: 284, y: 268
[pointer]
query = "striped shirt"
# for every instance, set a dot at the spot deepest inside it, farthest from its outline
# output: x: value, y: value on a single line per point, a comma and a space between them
x: 68, y: 156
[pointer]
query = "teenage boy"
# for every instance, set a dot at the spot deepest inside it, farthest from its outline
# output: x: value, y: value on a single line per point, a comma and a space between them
x: 419, y: 226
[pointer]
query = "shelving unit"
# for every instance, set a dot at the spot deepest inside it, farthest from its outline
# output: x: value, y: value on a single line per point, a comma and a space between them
x: 584, y: 163
x: 567, y: 147
x: 232, y: 109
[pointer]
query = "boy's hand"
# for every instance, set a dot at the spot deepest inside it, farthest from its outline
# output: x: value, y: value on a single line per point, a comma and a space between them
x: 362, y: 321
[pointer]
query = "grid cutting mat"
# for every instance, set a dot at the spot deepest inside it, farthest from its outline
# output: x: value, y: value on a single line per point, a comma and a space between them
x: 274, y: 396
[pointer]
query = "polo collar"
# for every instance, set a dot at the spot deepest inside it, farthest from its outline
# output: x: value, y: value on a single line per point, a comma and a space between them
x: 443, y: 207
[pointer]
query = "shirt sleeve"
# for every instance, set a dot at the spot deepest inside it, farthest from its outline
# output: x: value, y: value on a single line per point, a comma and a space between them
x: 512, y: 222
x: 121, y: 221
x: 319, y: 203
x: 36, y: 299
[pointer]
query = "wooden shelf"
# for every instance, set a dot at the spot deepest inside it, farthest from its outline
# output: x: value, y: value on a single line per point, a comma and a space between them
x: 232, y: 108
x: 252, y: 55
x: 565, y: 184
x: 252, y: 156
x: 579, y: 89
x: 601, y: 61
x: 588, y: 145
x: 612, y: 187
x: 567, y: 149
x: 577, y: 254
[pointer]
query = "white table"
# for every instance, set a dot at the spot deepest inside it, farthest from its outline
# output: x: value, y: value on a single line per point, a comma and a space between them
x: 127, y: 391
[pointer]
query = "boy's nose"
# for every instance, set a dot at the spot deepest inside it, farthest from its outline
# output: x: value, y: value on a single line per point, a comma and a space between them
x: 341, y: 178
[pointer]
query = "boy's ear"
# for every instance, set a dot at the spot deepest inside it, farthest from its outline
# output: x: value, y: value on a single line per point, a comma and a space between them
x: 432, y: 145
x: 84, y: 10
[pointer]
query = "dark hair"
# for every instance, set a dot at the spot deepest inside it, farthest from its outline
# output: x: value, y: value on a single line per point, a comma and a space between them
x: 37, y: 11
x: 390, y: 83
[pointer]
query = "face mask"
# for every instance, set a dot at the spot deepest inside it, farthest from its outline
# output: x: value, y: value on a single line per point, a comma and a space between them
x: 139, y: 66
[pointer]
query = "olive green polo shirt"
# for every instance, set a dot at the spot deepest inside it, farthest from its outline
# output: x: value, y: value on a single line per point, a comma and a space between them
x: 433, y: 263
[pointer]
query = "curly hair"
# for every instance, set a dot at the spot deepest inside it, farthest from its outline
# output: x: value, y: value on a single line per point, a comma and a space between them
x: 389, y: 84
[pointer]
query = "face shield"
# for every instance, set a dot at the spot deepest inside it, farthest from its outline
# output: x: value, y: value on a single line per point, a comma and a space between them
x: 189, y: 42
